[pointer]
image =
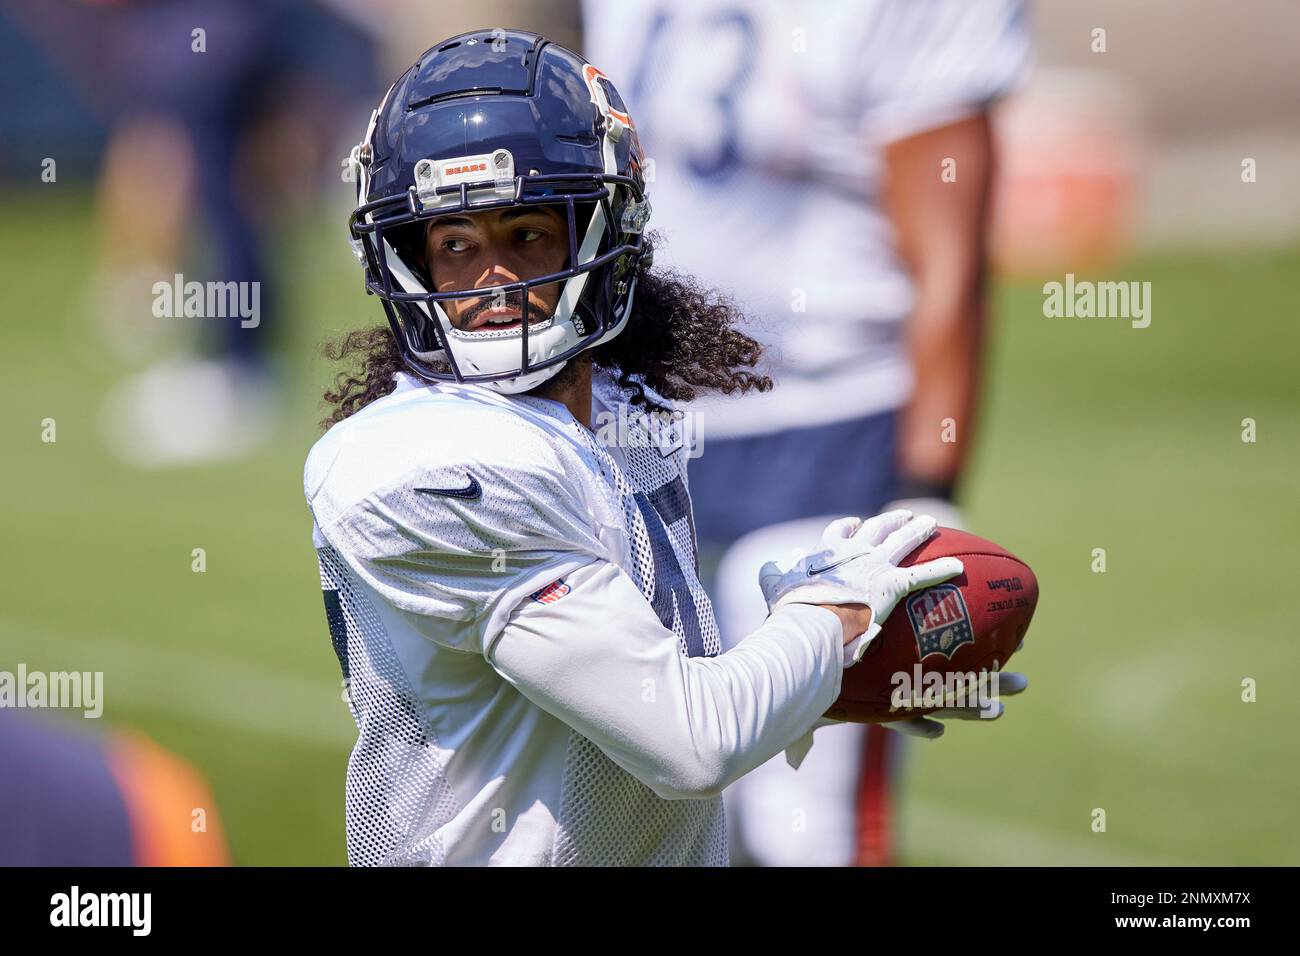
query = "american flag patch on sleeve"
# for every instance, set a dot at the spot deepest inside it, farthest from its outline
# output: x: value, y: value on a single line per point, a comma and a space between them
x: 551, y: 593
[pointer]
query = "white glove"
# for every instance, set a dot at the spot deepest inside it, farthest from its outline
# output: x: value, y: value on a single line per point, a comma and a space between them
x: 857, y: 563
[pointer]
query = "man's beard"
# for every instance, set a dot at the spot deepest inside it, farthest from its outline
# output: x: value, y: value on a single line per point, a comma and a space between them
x: 564, y: 379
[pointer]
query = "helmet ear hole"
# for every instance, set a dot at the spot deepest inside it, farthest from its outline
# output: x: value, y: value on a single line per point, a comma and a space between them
x: 582, y: 213
x: 408, y: 241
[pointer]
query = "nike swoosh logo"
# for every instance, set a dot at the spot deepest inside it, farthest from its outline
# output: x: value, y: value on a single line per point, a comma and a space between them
x: 831, y: 567
x: 469, y: 492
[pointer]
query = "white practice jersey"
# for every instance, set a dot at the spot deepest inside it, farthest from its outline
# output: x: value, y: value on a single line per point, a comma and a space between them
x: 765, y: 123
x: 531, y: 662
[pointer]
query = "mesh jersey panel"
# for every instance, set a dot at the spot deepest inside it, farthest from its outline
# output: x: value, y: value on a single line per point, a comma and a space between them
x: 398, y: 796
x: 601, y: 800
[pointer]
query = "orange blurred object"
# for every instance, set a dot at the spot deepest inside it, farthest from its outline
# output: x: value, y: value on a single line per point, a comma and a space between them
x: 173, y: 814
x: 1068, y: 178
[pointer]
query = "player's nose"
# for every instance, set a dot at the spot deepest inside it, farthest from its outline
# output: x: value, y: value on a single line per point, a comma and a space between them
x: 499, y: 273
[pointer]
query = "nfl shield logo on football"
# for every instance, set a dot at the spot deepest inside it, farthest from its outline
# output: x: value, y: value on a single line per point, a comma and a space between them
x: 940, y: 620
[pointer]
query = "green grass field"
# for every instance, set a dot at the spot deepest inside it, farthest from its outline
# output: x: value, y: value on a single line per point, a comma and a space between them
x: 1096, y: 435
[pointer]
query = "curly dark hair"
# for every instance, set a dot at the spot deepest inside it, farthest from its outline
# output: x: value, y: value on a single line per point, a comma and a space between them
x: 682, y: 340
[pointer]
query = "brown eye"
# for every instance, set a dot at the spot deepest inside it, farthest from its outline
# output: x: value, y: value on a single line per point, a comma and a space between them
x: 530, y: 235
x: 456, y: 245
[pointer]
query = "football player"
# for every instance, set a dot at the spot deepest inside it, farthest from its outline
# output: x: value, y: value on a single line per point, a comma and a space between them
x: 510, y: 582
x: 849, y: 145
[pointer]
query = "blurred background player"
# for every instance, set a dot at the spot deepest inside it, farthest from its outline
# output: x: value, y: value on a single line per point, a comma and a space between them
x: 216, y: 117
x: 851, y: 145
x: 71, y: 799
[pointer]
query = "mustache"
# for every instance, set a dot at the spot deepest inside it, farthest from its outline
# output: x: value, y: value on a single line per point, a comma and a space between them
x: 511, y: 300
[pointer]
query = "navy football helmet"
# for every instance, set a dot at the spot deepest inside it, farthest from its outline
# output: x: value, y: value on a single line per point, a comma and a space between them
x: 492, y: 119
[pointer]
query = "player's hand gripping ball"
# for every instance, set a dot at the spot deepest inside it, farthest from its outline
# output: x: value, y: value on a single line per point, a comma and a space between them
x: 859, y: 562
x: 971, y: 623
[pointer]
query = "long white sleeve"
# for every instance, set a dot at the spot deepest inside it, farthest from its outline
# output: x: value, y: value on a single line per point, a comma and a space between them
x: 600, y: 660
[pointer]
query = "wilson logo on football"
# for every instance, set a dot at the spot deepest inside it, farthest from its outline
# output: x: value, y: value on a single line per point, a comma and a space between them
x: 939, y: 620
x: 551, y: 593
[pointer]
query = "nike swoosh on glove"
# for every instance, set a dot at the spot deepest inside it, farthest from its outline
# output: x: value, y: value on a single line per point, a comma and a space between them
x: 857, y: 563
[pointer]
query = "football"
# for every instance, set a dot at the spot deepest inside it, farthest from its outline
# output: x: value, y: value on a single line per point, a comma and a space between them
x: 940, y: 636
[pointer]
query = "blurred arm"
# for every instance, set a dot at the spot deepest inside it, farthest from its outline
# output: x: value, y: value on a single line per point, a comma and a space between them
x: 941, y: 234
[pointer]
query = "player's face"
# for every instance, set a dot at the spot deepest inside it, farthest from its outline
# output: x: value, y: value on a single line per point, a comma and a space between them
x: 492, y: 248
